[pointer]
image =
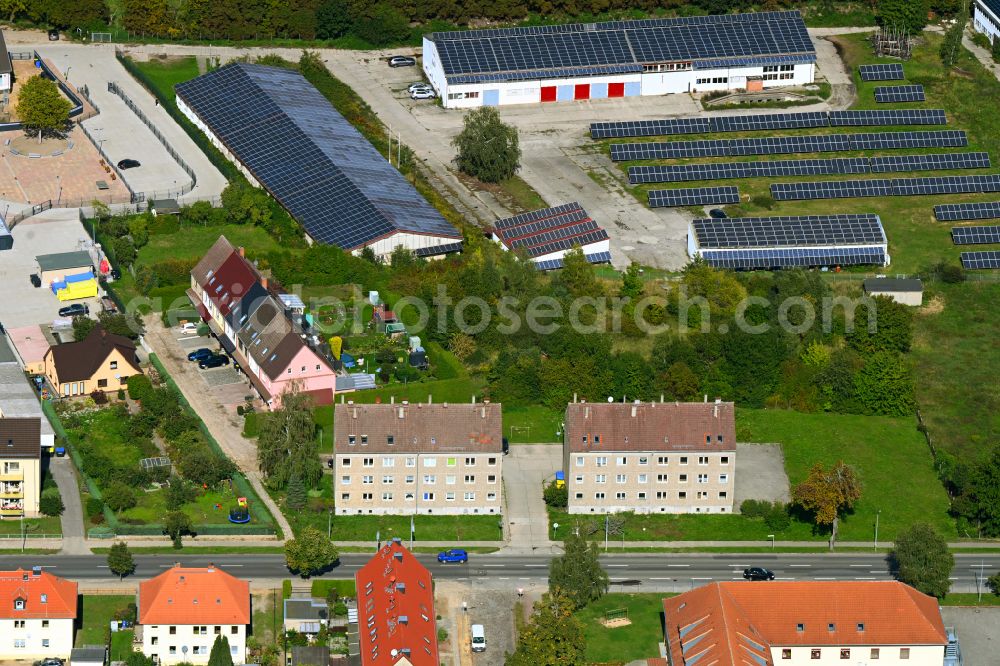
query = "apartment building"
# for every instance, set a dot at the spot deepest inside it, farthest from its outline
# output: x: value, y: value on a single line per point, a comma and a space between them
x: 419, y: 458
x: 37, y: 615
x: 806, y: 623
x: 650, y: 457
x: 184, y: 609
x: 20, y: 466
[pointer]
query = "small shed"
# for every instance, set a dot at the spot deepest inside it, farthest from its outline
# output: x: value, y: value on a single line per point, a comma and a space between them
x: 305, y: 614
x: 902, y: 290
x: 55, y: 267
x: 310, y: 655
x: 164, y: 207
x: 88, y: 655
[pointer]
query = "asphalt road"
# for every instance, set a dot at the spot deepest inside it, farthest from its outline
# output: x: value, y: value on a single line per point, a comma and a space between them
x: 660, y: 571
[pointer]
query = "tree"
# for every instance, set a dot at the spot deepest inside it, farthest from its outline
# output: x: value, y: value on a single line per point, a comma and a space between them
x: 286, y: 445
x: 51, y: 504
x: 175, y: 525
x: 909, y: 15
x: 82, y: 326
x: 124, y: 250
x: 828, y: 492
x: 679, y: 382
x: 993, y: 583
x: 179, y: 493
x: 12, y: 8
x: 119, y: 497
x: 577, y: 274
x: 922, y: 560
x: 296, y: 498
x: 553, y: 636
x: 556, y: 496
x: 220, y: 655
x: 892, y: 330
x: 995, y: 50
x: 120, y: 560
x: 41, y: 108
x: 381, y: 24
x: 884, y: 385
x: 631, y: 282
x: 310, y: 552
x: 578, y: 573
x: 488, y: 148
x: 952, y: 44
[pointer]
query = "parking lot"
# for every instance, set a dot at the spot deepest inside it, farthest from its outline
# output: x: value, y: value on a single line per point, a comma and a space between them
x: 226, y: 383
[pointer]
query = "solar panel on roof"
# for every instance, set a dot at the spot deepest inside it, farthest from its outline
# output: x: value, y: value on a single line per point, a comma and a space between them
x: 693, y: 196
x: 981, y: 260
x: 891, y: 94
x: 883, y: 187
x: 888, y: 117
x: 789, y: 230
x: 967, y: 211
x: 724, y: 170
x: 700, y: 125
x: 930, y: 162
x: 321, y: 169
x: 884, y: 72
x: 595, y: 258
x: 795, y: 257
x: 975, y: 235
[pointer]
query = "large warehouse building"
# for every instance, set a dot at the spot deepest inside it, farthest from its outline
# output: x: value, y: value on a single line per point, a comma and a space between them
x: 619, y: 59
x: 986, y: 17
x: 286, y: 137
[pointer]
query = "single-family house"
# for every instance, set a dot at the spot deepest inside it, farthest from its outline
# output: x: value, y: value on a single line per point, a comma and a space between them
x: 100, y: 362
x: 37, y: 615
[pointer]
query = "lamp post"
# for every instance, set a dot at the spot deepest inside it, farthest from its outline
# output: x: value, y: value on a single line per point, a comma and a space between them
x: 771, y: 537
x: 329, y: 525
x: 875, y: 544
x: 555, y: 531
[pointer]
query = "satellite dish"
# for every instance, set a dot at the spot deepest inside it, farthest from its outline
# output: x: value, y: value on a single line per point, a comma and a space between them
x: 394, y: 652
x: 610, y: 399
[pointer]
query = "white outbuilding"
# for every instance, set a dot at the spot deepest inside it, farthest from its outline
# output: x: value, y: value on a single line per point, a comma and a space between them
x: 546, y: 235
x: 986, y: 17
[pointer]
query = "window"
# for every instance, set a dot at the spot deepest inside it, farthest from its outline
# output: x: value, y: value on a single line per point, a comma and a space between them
x: 597, y: 439
x: 601, y: 478
x: 492, y: 462
x: 218, y: 630
x: 366, y: 497
x: 579, y: 496
x: 663, y: 460
x: 411, y: 461
x: 620, y: 478
x: 470, y: 478
x: 449, y: 497
x: 345, y: 496
x: 19, y: 624
x: 234, y: 630
x: 682, y: 494
x: 643, y: 461
x: 702, y: 460
x: 430, y: 462
x: 661, y: 495
x: 641, y: 496
x: 45, y: 624
x: 352, y: 440
x: 643, y: 478
x: 800, y: 627
x: 409, y: 478
x: 172, y: 649
x: 470, y: 497
x: 788, y: 68
x: 786, y: 653
x: 155, y: 640
x: 102, y: 383
x: 723, y: 494
x: 451, y: 462
x: 723, y: 478
x: 114, y: 365
x: 683, y: 478
x: 620, y: 496
x: 684, y: 460
x: 470, y: 462
x: 388, y: 461
x: 19, y: 643
x: 449, y: 480
x: 724, y: 460
x: 621, y: 460
x: 172, y: 631
x: 904, y: 653
x: 816, y: 654
x: 579, y: 461
x: 662, y: 478
x: 408, y: 497
x: 703, y: 478
x: 368, y: 462
x: 430, y: 479
x: 602, y: 461
x: 845, y: 653
x: 874, y: 653
x: 18, y: 604
x: 429, y: 497
x: 492, y: 478
x: 598, y: 496
x: 364, y: 440
x: 345, y: 462
x: 367, y: 479
x: 579, y: 478
x: 387, y: 479
x: 702, y: 495
x: 861, y: 626
x: 831, y: 627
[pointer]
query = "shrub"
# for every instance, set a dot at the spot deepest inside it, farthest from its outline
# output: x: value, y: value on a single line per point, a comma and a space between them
x: 121, y: 394
x: 555, y: 496
x: 777, y: 517
x: 51, y: 504
x: 119, y: 497
x: 99, y: 397
x: 752, y: 508
x: 94, y: 507
x: 139, y: 387
x: 340, y: 608
x: 951, y: 273
x: 442, y: 635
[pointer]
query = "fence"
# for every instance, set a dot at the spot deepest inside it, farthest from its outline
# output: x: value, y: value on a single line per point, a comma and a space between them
x: 113, y: 87
x: 85, y: 93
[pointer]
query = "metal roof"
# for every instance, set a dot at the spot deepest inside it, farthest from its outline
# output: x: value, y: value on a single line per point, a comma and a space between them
x: 63, y: 260
x: 892, y: 284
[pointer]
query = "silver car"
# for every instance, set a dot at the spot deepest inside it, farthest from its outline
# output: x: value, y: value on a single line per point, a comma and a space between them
x: 423, y: 93
x: 418, y: 85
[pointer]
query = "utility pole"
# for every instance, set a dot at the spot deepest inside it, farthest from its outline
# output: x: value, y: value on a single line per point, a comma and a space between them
x: 605, y: 533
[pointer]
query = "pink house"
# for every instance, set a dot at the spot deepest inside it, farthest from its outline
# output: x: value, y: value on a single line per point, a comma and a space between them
x: 253, y: 326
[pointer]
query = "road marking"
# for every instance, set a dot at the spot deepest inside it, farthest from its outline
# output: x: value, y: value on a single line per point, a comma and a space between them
x: 830, y: 578
x: 524, y: 579
x: 872, y: 578
x: 800, y: 565
x: 953, y: 578
x: 860, y: 565
x: 883, y: 573
x: 678, y: 565
x: 615, y: 565
x: 103, y: 566
x: 493, y: 565
x: 737, y: 578
x: 740, y: 566
x: 503, y: 578
x: 701, y: 578
x: 661, y: 579
x: 462, y: 578
x: 535, y: 565
x: 785, y: 578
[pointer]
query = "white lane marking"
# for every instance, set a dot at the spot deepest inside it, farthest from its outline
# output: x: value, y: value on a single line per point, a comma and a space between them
x: 615, y: 565
x: 785, y: 578
x: 740, y: 566
x: 700, y: 578
x: 661, y: 579
x: 860, y: 565
x: 737, y: 578
x: 503, y: 578
x: 830, y: 578
x: 103, y: 566
x: 493, y: 565
x: 872, y: 578
x: 526, y: 566
x: 800, y: 565
x: 883, y: 573
x: 678, y: 565
x: 953, y: 578
x: 524, y: 579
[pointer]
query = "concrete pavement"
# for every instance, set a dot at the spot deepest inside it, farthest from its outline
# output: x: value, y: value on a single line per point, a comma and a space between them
x: 525, y: 470
x: 74, y: 538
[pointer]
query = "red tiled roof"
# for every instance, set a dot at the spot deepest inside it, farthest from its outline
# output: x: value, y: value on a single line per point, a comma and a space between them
x: 194, y: 596
x: 728, y: 623
x: 396, y: 610
x: 650, y: 426
x: 209, y: 264
x: 418, y: 428
x: 59, y: 595
x: 227, y: 285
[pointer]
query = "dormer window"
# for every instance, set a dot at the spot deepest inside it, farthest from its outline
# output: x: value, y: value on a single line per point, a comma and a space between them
x: 351, y: 439
x: 831, y: 627
x: 597, y: 439
x: 19, y: 604
x: 390, y: 440
x: 44, y: 599
x: 800, y: 627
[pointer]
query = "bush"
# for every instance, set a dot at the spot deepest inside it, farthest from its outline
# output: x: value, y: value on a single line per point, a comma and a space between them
x: 139, y: 387
x: 99, y: 397
x: 951, y: 273
x: 442, y: 635
x: 51, y: 504
x: 752, y: 508
x: 777, y: 518
x: 555, y: 496
x: 94, y: 507
x: 121, y: 394
x: 119, y: 497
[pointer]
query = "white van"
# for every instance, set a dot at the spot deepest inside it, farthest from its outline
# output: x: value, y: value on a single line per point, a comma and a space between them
x: 478, y: 638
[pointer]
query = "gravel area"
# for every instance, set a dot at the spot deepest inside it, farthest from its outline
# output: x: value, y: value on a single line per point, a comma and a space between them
x: 760, y: 473
x: 494, y: 609
x: 976, y: 628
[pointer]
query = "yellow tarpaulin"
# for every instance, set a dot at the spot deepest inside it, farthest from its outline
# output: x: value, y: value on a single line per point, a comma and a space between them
x: 77, y: 290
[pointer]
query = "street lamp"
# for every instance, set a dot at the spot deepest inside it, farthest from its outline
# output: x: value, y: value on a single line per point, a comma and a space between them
x: 875, y: 544
x: 771, y: 537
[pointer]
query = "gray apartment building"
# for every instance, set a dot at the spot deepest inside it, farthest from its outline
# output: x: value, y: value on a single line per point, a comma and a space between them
x: 420, y: 458
x: 676, y: 457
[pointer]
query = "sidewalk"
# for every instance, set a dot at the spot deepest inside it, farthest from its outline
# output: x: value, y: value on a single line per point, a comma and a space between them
x: 982, y: 55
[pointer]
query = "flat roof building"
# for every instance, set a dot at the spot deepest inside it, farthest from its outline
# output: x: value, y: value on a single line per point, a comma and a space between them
x: 986, y: 17
x: 546, y: 235
x: 901, y: 290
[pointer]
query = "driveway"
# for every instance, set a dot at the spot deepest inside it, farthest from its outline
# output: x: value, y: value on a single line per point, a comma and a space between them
x: 760, y: 474
x: 73, y: 528
x: 524, y: 473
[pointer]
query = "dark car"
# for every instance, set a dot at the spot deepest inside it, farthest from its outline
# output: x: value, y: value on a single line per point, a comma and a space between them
x: 53, y: 35
x: 35, y: 280
x: 402, y: 61
x: 128, y: 164
x: 455, y: 556
x: 717, y: 214
x: 215, y: 361
x: 758, y: 573
x: 201, y: 354
x: 74, y: 310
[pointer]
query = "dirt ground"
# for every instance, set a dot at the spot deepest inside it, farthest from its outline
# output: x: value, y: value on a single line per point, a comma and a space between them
x: 494, y: 609
x: 760, y: 474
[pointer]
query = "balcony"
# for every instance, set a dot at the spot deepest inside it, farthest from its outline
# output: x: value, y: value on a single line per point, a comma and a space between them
x: 12, y: 475
x: 11, y: 512
x: 11, y: 492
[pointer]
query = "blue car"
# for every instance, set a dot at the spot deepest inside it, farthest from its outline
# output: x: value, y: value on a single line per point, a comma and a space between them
x: 456, y: 555
x: 200, y: 354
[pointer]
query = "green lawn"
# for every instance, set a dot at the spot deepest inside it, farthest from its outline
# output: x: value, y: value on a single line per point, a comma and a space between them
x: 621, y: 645
x: 191, y: 242
x: 268, y: 616
x: 121, y: 645
x: 971, y: 599
x: 532, y: 424
x: 323, y: 417
x: 428, y: 528
x: 957, y: 362
x: 345, y: 588
x: 152, y: 507
x: 98, y: 611
x: 165, y: 74
x: 32, y: 526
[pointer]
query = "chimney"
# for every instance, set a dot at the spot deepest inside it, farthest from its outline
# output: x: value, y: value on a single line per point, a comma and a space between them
x: 392, y: 400
x: 483, y: 412
x: 586, y: 412
x: 402, y: 413
x: 706, y: 397
x: 430, y: 399
x: 633, y: 411
x: 354, y: 413
x: 241, y: 251
x: 263, y: 282
x: 661, y: 398
x: 574, y: 397
x: 473, y: 400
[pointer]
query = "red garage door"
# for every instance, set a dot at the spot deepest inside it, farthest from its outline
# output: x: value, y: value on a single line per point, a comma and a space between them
x: 548, y: 93
x: 582, y: 91
x: 616, y: 89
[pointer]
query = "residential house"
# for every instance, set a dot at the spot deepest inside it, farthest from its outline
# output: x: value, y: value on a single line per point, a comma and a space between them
x: 17, y: 398
x: 396, y: 619
x: 183, y: 610
x: 29, y: 344
x: 306, y: 615
x: 901, y: 290
x: 100, y: 362
x: 418, y: 458
x: 37, y: 615
x: 804, y: 622
x: 652, y: 457
x: 20, y: 466
x: 256, y: 328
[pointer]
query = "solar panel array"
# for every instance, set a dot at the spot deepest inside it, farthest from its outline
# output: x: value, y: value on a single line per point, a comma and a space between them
x: 885, y: 72
x: 595, y: 258
x: 975, y: 235
x: 930, y: 162
x: 967, y: 211
x: 884, y: 187
x: 813, y: 143
x: 792, y: 257
x: 547, y: 50
x: 723, y: 170
x: 890, y: 94
x: 981, y: 260
x: 888, y: 117
x: 693, y: 196
x: 789, y: 231
x: 321, y: 169
x: 549, y: 230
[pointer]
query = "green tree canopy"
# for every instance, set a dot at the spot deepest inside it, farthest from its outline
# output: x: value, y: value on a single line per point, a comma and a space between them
x: 910, y: 15
x: 286, y: 445
x: 310, y: 552
x: 923, y: 560
x: 488, y: 148
x: 120, y: 560
x: 553, y: 637
x: 828, y: 492
x: 41, y: 108
x: 220, y: 654
x: 175, y: 525
x: 577, y: 574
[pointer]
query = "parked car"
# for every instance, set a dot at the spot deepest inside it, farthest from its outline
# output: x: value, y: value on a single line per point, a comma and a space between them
x: 419, y: 85
x: 201, y: 354
x: 35, y: 280
x: 189, y: 327
x: 128, y: 164
x: 478, y: 638
x: 717, y: 214
x: 74, y: 310
x: 423, y: 93
x: 402, y: 61
x: 453, y: 556
x: 758, y: 573
x: 51, y: 661
x: 216, y: 361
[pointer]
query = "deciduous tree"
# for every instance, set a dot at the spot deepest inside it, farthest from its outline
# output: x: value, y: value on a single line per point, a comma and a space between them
x: 910, y: 15
x: 41, y: 108
x: 577, y: 574
x: 120, y: 560
x: 828, y: 492
x: 297, y: 497
x: 175, y: 525
x: 922, y: 559
x: 310, y: 552
x: 488, y: 148
x: 286, y: 445
x: 951, y: 47
x: 553, y: 636
x: 884, y: 385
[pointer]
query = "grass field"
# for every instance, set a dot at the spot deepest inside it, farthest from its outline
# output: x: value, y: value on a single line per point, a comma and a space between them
x: 428, y: 528
x: 191, y: 242
x: 638, y: 640
x: 98, y: 611
x: 43, y: 525
x: 957, y: 358
x: 168, y: 73
x: 152, y: 507
x: 532, y: 424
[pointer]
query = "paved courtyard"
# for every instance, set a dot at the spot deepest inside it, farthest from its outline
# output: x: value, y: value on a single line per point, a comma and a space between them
x: 976, y: 628
x: 525, y: 470
x: 760, y: 474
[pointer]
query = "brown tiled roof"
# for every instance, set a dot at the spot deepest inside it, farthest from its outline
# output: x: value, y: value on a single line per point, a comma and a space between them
x: 214, y: 258
x: 77, y: 361
x: 728, y: 622
x: 20, y: 437
x: 670, y: 426
x: 270, y: 338
x: 418, y: 428
x: 227, y: 285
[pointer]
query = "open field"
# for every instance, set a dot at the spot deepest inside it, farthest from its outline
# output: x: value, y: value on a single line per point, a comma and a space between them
x: 620, y: 645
